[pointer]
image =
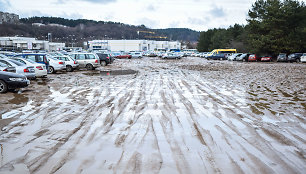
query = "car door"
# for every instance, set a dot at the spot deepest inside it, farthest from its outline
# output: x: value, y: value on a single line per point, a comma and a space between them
x: 81, y: 60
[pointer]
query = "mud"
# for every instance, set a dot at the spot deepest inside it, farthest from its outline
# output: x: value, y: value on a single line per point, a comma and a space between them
x: 159, y: 116
x: 111, y: 72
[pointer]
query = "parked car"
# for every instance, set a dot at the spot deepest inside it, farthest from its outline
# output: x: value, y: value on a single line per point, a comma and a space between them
x: 9, y: 80
x: 105, y: 58
x: 22, y: 69
x: 4, y: 67
x: 243, y: 57
x: 295, y: 57
x: 136, y: 54
x: 170, y: 56
x: 303, y: 57
x: 40, y: 69
x: 55, y: 64
x: 152, y: 54
x: 124, y: 56
x: 233, y: 56
x: 36, y: 57
x: 217, y: 57
x: 90, y: 61
x: 282, y: 57
x: 70, y: 63
x: 266, y: 59
x: 253, y: 58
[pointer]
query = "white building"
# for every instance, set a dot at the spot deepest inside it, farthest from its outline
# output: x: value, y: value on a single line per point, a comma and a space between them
x: 27, y: 43
x: 133, y: 45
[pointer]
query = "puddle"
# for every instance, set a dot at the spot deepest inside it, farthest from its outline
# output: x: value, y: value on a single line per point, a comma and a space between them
x: 19, y: 99
x: 111, y: 72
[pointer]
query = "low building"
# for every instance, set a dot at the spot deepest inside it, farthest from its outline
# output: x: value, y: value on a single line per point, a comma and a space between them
x: 133, y: 45
x: 27, y: 43
x: 8, y: 18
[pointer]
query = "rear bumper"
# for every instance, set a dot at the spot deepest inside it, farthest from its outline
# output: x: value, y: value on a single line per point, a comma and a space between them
x: 41, y: 73
x: 30, y: 75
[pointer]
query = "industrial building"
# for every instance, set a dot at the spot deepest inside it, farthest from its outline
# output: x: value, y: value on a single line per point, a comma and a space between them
x: 8, y: 18
x: 27, y: 43
x: 133, y: 45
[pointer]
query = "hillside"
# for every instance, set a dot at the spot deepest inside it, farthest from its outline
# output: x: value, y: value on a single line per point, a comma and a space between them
x: 78, y: 31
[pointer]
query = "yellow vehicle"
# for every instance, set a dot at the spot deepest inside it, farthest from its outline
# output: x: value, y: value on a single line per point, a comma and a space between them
x: 222, y: 51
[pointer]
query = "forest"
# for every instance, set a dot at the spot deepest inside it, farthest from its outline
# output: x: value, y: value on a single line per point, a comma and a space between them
x: 273, y: 26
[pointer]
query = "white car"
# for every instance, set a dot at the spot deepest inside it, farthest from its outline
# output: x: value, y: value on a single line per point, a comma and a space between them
x: 136, y: 54
x: 55, y: 64
x: 303, y: 57
x: 71, y: 64
x: 170, y: 56
x: 233, y: 56
x: 40, y: 69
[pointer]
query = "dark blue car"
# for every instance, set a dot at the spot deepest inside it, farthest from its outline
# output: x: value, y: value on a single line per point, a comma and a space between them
x: 10, y: 80
x: 217, y: 57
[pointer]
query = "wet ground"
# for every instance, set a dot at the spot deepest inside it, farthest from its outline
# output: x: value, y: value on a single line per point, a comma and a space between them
x: 159, y: 116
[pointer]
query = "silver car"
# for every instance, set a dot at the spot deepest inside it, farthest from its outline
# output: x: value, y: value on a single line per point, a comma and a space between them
x: 22, y: 69
x: 40, y: 69
x: 90, y: 61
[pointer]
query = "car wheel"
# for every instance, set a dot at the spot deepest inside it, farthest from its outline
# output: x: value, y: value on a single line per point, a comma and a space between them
x: 89, y: 67
x: 103, y: 63
x: 3, y: 87
x: 51, y: 70
x: 297, y: 60
x: 69, y: 68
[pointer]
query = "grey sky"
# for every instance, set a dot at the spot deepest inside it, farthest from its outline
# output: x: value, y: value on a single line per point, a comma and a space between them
x: 195, y: 14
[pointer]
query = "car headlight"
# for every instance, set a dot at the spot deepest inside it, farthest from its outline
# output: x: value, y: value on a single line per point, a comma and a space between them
x: 16, y: 79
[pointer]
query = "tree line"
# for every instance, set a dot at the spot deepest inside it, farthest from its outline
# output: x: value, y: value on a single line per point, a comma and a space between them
x: 273, y: 27
x: 79, y: 31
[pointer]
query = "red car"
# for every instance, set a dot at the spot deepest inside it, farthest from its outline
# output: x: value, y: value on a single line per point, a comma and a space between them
x: 254, y: 58
x: 124, y: 56
x: 266, y: 58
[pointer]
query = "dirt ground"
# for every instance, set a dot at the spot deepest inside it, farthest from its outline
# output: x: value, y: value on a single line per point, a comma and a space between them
x: 159, y: 116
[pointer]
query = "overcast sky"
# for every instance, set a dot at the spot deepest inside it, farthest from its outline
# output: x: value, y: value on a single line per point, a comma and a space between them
x: 198, y: 15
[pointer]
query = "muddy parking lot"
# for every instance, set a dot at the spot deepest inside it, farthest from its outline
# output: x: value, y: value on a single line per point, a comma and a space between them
x: 159, y: 116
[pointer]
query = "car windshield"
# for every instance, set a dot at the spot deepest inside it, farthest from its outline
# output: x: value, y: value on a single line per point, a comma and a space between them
x: 3, y: 65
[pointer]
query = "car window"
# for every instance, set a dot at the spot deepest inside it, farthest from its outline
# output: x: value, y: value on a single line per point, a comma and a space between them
x: 31, y: 61
x: 80, y: 57
x: 72, y: 56
x: 31, y: 57
x: 3, y: 64
x: 90, y: 56
x: 6, y: 63
x: 40, y: 58
x: 21, y: 61
x: 17, y: 63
